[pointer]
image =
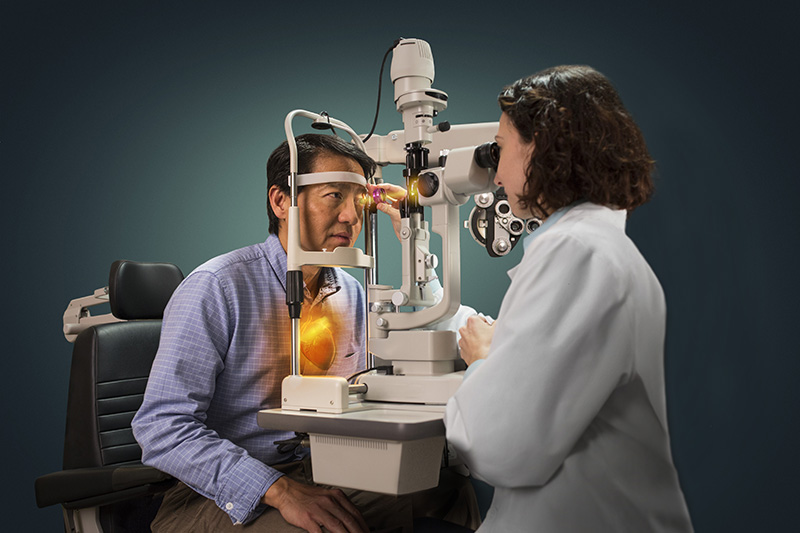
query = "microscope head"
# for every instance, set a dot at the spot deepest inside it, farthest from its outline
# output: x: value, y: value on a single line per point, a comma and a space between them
x: 412, y: 75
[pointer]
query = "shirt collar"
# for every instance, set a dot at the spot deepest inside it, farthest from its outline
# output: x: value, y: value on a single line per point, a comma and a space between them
x: 329, y: 283
x: 276, y: 256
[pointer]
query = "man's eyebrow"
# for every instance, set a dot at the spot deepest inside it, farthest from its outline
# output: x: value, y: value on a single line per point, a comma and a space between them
x: 344, y: 185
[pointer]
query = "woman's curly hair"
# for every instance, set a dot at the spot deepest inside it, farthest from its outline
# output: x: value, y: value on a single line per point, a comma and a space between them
x: 587, y: 146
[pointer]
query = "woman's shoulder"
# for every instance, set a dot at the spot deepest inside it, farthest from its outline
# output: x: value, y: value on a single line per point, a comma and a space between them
x: 591, y: 232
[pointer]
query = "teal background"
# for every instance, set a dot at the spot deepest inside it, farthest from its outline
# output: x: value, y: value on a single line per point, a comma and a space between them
x: 140, y: 130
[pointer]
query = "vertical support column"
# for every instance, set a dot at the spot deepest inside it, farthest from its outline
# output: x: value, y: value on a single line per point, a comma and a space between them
x: 294, y: 285
x: 370, y: 274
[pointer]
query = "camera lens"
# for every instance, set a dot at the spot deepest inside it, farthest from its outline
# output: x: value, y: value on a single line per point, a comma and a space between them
x: 487, y: 155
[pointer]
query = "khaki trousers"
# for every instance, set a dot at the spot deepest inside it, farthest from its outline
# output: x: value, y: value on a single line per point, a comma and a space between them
x: 184, y: 510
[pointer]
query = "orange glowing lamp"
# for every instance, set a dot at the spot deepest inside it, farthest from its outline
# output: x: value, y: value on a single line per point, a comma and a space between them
x: 317, y: 345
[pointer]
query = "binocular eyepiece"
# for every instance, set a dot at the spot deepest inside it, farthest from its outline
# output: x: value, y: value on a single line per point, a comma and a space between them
x: 487, y: 155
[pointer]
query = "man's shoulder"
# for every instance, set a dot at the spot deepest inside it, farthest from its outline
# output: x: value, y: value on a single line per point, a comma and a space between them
x: 244, y: 260
x: 229, y: 275
x: 233, y: 260
x: 229, y: 271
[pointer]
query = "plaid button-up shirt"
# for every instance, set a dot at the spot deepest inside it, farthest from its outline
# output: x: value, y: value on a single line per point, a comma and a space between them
x: 224, y: 350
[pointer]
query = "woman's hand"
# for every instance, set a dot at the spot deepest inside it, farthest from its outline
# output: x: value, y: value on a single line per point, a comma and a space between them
x: 476, y: 336
x: 394, y: 193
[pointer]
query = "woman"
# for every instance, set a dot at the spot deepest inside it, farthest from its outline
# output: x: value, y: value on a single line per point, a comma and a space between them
x: 578, y: 439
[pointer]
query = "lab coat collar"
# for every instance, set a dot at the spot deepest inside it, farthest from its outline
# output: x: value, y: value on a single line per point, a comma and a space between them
x: 549, y: 221
x: 616, y: 218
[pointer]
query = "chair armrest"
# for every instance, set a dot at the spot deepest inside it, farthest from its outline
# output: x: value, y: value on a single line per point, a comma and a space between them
x: 108, y: 483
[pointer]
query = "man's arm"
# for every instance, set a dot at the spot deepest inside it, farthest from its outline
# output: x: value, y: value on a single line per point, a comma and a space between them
x: 170, y: 425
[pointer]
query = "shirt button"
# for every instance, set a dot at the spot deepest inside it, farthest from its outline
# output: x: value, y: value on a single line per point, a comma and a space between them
x: 229, y: 506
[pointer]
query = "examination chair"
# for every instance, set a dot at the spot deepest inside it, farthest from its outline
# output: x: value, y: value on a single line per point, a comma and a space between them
x: 103, y: 486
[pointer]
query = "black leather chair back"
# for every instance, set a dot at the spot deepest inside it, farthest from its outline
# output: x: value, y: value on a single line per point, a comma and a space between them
x: 110, y: 366
x: 103, y: 486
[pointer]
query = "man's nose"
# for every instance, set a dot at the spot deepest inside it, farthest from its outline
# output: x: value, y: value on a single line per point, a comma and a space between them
x: 350, y: 212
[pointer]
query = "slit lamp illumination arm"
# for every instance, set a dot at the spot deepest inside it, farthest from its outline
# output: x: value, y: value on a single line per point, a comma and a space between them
x: 296, y: 257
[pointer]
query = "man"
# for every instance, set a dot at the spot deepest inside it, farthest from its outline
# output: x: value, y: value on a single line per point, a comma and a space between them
x: 225, y: 348
x: 224, y: 351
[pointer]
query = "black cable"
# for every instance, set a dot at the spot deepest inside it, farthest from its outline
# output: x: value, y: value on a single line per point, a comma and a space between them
x: 328, y: 126
x: 387, y: 368
x: 380, y: 83
x: 291, y: 445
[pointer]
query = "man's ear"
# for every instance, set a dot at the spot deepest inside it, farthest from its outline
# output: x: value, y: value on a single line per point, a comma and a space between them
x: 279, y: 201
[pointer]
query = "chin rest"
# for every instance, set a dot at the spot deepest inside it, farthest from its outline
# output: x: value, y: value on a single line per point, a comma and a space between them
x: 110, y: 366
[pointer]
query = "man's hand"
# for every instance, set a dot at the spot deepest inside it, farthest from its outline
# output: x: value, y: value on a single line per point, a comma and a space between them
x: 476, y: 336
x: 394, y: 193
x: 313, y: 508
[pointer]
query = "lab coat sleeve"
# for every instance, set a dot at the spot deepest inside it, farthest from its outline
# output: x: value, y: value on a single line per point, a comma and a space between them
x: 170, y: 425
x: 561, y: 346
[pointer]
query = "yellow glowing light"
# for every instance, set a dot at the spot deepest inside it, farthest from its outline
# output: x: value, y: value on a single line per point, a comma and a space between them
x: 413, y: 187
x: 396, y: 195
x: 380, y: 195
x: 317, y: 344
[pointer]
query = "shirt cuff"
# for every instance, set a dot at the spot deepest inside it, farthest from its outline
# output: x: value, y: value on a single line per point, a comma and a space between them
x: 244, y: 486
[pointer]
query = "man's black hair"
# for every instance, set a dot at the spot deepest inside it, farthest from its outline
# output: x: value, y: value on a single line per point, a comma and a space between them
x: 310, y: 146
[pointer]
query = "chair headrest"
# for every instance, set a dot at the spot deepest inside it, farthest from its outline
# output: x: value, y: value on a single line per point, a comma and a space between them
x: 141, y: 290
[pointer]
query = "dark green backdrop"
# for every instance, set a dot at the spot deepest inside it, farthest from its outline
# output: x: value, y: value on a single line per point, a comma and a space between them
x: 140, y: 130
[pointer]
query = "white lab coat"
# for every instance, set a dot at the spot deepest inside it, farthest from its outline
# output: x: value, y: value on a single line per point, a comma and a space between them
x: 566, y: 418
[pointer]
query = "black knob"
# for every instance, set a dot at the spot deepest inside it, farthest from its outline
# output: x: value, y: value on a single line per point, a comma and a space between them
x: 428, y: 184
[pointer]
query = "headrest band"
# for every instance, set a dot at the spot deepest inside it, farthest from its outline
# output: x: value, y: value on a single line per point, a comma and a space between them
x: 316, y: 178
